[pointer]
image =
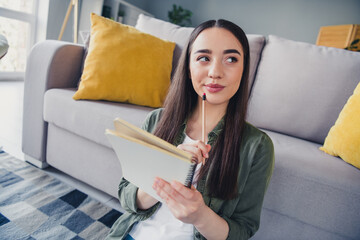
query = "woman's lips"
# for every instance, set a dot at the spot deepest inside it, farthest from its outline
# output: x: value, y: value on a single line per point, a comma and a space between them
x: 213, y: 88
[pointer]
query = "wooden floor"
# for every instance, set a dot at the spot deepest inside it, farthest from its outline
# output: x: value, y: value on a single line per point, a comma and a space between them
x: 11, y: 112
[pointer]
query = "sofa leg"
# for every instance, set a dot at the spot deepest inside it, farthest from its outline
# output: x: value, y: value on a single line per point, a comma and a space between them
x: 35, y: 162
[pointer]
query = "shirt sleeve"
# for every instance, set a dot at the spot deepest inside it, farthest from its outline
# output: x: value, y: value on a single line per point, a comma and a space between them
x: 245, y: 220
x: 127, y: 196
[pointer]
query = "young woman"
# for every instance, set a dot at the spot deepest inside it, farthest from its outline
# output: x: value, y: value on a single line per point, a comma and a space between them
x: 226, y: 199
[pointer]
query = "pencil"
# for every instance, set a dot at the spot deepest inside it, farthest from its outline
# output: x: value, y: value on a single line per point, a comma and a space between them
x: 203, y: 122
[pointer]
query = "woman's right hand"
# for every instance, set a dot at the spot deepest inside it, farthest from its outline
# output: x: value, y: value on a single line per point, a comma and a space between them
x: 197, y: 149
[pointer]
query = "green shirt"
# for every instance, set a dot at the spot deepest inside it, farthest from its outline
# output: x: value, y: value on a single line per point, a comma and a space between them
x: 241, y: 213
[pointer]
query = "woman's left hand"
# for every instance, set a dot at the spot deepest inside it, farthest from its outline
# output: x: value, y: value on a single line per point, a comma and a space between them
x: 186, y: 204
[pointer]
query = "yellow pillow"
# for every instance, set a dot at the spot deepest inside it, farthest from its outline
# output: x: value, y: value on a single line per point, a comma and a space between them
x: 125, y: 65
x: 343, y: 139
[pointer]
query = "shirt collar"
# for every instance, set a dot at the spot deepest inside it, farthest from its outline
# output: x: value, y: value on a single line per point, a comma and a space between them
x: 212, y: 136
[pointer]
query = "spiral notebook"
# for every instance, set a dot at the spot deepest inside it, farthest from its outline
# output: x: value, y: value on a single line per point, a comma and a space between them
x: 144, y: 156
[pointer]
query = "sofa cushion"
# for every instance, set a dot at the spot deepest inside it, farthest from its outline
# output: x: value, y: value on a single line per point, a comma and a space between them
x: 312, y: 187
x: 256, y: 43
x: 88, y: 119
x: 166, y: 31
x: 344, y: 137
x: 301, y: 88
x: 180, y: 36
x: 125, y: 65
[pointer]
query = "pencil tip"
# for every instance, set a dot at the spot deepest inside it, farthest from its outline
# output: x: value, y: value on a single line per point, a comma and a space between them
x: 204, y: 96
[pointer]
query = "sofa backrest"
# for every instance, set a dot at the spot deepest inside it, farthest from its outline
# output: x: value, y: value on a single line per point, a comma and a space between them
x: 180, y: 36
x: 300, y: 88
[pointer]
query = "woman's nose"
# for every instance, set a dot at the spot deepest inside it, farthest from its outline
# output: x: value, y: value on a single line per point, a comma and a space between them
x: 216, y: 70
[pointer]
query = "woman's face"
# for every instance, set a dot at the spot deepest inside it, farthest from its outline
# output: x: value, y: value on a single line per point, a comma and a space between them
x: 216, y: 65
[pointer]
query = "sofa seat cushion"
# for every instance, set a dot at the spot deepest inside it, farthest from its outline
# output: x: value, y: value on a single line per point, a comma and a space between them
x: 313, y: 187
x: 300, y: 88
x: 88, y: 119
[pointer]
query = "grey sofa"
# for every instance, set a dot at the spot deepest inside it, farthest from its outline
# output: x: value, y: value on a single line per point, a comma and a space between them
x: 297, y: 92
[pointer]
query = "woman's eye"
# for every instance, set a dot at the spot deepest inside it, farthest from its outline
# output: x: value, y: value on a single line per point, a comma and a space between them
x: 203, y: 59
x: 231, y: 59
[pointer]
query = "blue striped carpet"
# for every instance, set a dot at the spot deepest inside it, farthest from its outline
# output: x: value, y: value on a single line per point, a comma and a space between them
x: 34, y: 205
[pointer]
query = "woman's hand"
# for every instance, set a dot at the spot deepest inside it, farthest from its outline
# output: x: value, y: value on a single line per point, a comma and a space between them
x: 197, y: 149
x: 186, y: 204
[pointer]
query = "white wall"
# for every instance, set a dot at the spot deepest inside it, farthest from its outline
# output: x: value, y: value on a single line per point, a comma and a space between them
x: 294, y: 19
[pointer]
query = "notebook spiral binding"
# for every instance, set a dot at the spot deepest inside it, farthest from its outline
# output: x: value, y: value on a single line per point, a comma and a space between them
x: 190, y: 175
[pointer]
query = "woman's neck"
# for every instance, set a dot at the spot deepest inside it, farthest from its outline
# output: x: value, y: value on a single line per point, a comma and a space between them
x: 213, y: 115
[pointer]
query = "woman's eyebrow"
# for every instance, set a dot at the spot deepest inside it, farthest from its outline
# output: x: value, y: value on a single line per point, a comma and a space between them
x: 203, y: 51
x: 227, y: 51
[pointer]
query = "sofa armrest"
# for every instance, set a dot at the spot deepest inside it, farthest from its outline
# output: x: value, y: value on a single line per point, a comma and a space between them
x: 51, y: 64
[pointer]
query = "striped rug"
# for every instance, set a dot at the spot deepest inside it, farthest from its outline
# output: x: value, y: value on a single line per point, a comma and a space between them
x: 35, y: 205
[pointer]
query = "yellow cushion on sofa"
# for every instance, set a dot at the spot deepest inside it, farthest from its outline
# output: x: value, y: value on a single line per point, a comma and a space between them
x: 343, y: 139
x: 125, y: 65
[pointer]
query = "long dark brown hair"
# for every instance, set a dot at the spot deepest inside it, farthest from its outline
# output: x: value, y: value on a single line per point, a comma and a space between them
x: 222, y: 166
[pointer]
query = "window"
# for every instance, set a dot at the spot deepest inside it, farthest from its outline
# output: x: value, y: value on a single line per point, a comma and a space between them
x: 26, y: 6
x: 17, y: 24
